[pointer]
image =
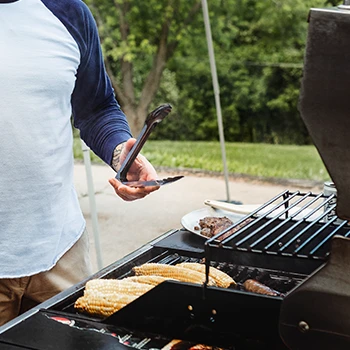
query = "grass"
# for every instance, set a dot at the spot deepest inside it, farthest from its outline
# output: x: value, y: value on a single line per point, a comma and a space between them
x: 261, y: 160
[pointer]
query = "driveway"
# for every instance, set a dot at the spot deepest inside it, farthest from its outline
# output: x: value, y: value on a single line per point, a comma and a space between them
x: 125, y: 226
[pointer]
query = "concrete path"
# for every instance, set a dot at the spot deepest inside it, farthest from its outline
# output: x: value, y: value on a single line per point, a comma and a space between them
x: 125, y: 226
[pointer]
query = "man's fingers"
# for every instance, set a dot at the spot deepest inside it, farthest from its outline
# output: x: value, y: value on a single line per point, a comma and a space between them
x: 130, y: 193
x: 128, y: 145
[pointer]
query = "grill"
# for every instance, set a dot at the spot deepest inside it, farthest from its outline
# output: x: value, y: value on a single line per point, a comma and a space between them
x: 230, y: 318
x: 291, y: 244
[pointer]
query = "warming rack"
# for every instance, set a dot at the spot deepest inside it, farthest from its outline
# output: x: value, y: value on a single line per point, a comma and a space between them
x: 292, y: 229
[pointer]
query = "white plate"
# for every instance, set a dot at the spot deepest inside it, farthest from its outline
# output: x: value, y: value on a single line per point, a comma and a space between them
x: 190, y: 220
x: 246, y: 209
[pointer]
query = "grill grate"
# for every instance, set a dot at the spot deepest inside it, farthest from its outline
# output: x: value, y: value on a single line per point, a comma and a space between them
x: 292, y: 224
x: 281, y: 281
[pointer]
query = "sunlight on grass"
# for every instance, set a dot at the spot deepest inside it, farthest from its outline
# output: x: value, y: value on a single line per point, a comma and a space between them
x: 263, y: 160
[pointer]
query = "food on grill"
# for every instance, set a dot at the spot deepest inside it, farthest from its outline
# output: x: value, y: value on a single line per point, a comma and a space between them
x: 174, y: 272
x: 111, y: 286
x: 148, y: 279
x: 221, y: 278
x: 211, y: 225
x: 100, y: 304
x: 204, y: 347
x: 177, y: 344
x: 103, y: 297
x: 257, y: 287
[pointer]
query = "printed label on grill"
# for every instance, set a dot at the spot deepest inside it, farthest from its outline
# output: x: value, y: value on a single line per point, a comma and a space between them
x: 329, y: 189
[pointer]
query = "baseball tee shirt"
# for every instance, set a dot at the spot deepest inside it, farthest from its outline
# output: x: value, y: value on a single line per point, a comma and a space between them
x: 51, y: 68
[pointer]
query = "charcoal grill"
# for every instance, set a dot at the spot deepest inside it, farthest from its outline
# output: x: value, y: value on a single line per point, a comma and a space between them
x: 289, y: 244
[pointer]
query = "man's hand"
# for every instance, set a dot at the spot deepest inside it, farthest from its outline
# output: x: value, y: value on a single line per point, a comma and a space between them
x: 140, y: 170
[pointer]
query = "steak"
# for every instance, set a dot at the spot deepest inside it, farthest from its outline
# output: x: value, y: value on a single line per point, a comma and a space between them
x: 210, y: 226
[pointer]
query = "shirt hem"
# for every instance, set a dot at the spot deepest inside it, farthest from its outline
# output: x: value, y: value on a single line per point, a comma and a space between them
x: 55, y: 261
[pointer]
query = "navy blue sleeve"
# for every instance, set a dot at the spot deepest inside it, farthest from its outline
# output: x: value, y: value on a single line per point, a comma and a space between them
x: 96, y: 112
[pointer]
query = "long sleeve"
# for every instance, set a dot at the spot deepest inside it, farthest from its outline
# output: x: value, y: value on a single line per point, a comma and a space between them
x: 96, y: 112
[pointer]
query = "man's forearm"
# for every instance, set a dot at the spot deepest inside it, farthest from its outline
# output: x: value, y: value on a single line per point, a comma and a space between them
x: 116, y: 156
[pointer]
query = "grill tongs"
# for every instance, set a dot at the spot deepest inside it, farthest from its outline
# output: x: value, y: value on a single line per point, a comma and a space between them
x: 152, y: 120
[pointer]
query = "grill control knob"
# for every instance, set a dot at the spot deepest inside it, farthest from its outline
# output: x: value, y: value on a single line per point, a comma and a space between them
x: 303, y: 327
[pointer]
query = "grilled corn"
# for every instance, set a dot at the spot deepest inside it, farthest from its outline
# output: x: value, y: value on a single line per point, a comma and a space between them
x: 103, y: 297
x: 221, y: 278
x: 175, y: 272
x: 111, y: 286
x: 103, y: 304
x: 148, y: 279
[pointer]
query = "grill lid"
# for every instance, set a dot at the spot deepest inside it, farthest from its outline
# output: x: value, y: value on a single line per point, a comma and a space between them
x: 323, y: 103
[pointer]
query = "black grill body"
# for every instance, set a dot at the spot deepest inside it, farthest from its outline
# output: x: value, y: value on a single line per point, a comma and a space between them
x: 231, y: 318
x: 228, y: 318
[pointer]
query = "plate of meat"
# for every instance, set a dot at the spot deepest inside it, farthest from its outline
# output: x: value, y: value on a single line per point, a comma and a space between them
x: 207, y: 222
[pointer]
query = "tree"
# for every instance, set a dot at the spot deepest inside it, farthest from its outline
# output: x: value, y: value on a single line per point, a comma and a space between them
x: 259, y: 48
x: 156, y: 51
x: 138, y: 39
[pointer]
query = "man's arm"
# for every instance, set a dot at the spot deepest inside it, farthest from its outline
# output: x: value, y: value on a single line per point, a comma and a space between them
x: 102, y: 124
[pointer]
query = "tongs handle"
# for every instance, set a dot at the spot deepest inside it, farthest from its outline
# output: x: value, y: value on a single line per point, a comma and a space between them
x: 152, y: 120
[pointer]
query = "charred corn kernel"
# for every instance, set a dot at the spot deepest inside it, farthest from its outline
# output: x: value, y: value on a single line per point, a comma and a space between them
x: 148, y: 279
x: 111, y: 286
x: 221, y: 278
x: 103, y: 305
x: 175, y: 272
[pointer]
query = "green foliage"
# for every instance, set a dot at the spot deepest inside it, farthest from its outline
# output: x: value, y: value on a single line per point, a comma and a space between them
x: 259, y: 48
x: 145, y: 20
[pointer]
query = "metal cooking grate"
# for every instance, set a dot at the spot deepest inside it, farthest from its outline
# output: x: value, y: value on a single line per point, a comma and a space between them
x: 291, y: 224
x: 281, y: 281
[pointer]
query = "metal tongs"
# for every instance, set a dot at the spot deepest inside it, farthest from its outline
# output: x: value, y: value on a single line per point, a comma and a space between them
x: 152, y: 120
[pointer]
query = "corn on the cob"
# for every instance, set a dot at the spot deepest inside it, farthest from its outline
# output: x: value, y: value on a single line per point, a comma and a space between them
x: 175, y: 272
x: 111, y: 286
x: 221, y: 278
x: 103, y: 305
x: 148, y: 279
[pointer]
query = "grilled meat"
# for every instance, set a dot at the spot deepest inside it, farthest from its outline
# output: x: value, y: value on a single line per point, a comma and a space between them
x: 257, y: 287
x: 211, y: 226
x: 177, y: 344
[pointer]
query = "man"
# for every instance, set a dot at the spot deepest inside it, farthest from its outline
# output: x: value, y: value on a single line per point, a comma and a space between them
x: 51, y: 67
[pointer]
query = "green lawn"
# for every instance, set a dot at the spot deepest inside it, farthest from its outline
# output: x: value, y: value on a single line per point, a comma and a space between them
x: 263, y: 160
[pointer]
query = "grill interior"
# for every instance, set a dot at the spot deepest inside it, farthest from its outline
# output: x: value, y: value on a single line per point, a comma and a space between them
x: 281, y: 281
